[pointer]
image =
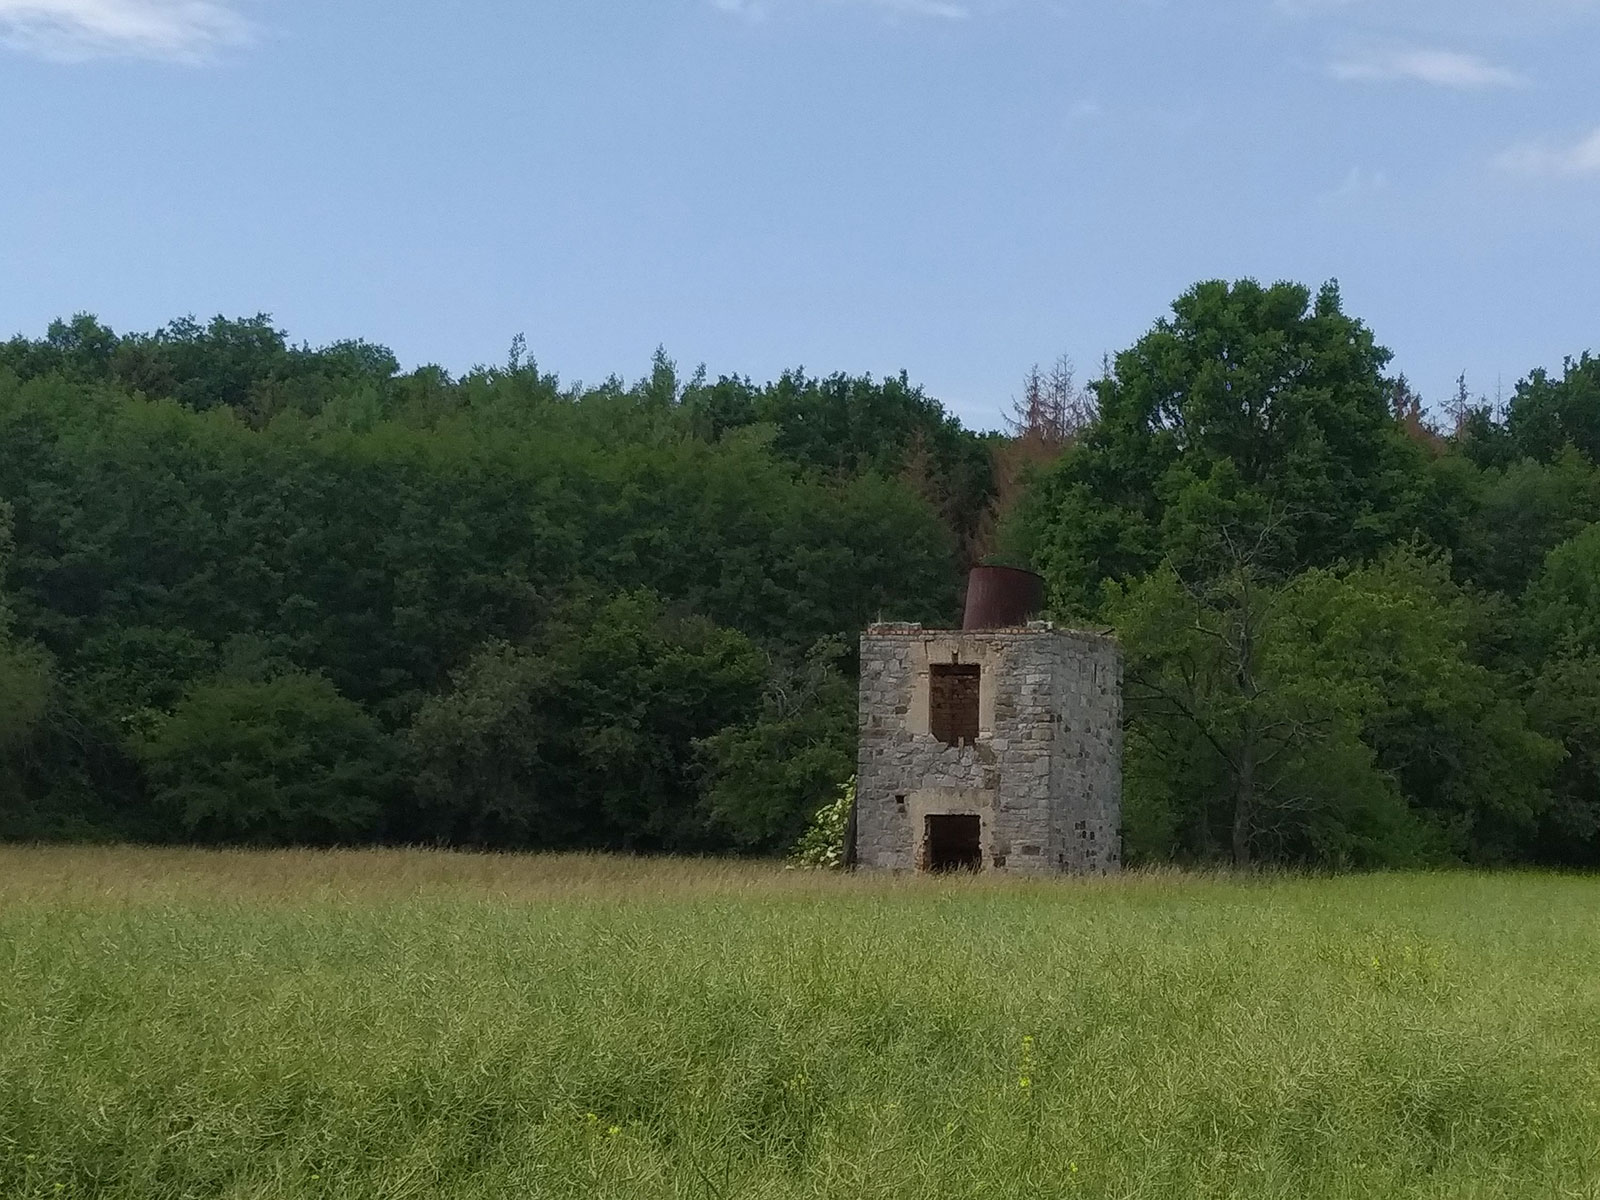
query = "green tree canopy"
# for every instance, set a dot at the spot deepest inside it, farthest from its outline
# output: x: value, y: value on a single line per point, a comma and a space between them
x: 284, y: 759
x: 587, y: 737
x: 24, y: 676
x: 1247, y: 398
x: 1563, y: 604
x: 769, y: 774
x: 250, y: 577
x: 1547, y: 414
x: 1335, y: 717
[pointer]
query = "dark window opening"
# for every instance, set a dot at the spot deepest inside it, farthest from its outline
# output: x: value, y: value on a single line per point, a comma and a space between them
x: 953, y: 703
x: 953, y: 843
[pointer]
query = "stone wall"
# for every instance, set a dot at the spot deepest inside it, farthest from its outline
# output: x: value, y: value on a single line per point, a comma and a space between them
x: 1086, y: 770
x: 1044, y: 774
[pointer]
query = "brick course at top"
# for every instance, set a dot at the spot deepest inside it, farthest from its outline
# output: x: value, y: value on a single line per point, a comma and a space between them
x: 1037, y: 758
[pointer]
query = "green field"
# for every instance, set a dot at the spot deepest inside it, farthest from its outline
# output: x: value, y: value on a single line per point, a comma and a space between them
x: 414, y: 1024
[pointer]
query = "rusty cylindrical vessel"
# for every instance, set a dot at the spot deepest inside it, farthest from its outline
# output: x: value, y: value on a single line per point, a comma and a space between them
x: 1002, y: 597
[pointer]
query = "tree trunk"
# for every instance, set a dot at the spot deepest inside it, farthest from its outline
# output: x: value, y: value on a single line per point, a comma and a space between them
x: 1244, y: 795
x: 1244, y: 799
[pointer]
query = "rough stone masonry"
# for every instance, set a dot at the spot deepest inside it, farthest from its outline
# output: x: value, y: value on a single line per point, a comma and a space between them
x: 995, y: 749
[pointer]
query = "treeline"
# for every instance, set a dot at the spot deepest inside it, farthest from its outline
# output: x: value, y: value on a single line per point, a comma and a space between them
x: 264, y: 593
x: 261, y: 593
x: 1353, y: 637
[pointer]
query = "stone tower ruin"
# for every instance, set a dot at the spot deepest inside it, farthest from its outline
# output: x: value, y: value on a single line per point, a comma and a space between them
x: 997, y: 746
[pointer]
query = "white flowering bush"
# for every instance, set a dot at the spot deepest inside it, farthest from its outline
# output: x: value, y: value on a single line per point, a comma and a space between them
x: 822, y: 844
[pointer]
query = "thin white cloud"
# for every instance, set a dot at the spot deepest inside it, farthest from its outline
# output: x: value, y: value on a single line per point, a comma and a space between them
x: 924, y: 8
x: 948, y: 10
x: 1549, y: 160
x: 1359, y: 184
x: 1440, y: 68
x: 74, y: 30
x: 1447, y: 18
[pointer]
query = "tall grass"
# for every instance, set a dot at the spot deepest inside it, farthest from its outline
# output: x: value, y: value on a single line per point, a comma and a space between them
x: 414, y: 1024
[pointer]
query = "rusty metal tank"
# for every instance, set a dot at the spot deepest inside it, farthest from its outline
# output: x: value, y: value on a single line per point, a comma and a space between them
x: 1002, y: 598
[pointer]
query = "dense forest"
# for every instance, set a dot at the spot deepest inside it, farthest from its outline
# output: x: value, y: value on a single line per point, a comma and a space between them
x: 254, y: 592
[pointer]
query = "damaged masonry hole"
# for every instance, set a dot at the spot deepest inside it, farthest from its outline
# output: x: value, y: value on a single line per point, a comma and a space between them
x: 953, y: 702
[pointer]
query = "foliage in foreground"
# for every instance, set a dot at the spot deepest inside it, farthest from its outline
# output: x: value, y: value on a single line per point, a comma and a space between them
x: 409, y: 1025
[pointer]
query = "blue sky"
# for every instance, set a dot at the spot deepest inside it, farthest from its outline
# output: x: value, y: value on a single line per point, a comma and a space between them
x: 954, y: 187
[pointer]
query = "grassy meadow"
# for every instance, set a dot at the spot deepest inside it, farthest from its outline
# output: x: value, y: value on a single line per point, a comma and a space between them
x: 414, y: 1024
